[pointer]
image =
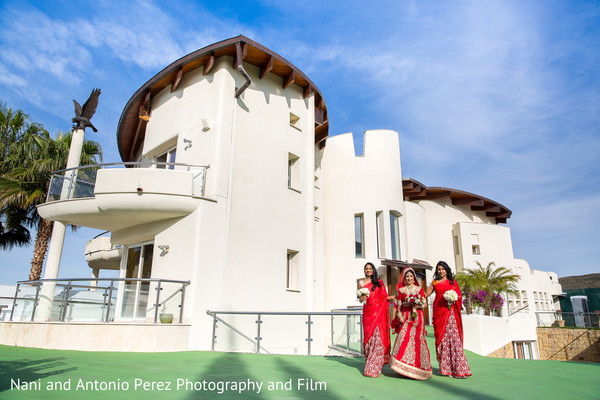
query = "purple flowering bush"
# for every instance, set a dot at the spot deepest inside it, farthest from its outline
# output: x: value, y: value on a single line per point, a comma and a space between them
x: 479, y: 298
x: 496, y: 302
x: 487, y: 301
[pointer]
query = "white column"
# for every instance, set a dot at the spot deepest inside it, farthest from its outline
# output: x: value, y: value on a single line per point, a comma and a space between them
x: 95, y: 275
x: 44, y: 308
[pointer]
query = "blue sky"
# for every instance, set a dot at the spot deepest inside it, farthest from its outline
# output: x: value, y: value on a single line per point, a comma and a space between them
x: 497, y: 98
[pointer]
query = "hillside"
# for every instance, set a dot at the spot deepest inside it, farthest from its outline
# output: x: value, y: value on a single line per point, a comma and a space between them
x: 588, y: 281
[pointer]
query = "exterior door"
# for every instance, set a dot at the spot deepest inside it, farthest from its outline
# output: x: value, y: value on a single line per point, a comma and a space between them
x: 133, y: 299
x: 580, y: 309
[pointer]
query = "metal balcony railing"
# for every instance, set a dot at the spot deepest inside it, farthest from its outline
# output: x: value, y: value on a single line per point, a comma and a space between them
x: 279, y: 332
x: 79, y: 182
x: 568, y: 319
x: 87, y: 300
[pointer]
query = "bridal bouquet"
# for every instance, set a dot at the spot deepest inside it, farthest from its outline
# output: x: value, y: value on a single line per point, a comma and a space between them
x: 362, y: 292
x: 415, y: 300
x: 451, y: 297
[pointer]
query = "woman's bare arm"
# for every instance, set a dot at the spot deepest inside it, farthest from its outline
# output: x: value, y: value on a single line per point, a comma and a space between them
x: 429, y: 290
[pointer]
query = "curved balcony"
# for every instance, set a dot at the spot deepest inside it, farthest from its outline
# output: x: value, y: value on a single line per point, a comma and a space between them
x: 119, y: 195
x: 100, y: 253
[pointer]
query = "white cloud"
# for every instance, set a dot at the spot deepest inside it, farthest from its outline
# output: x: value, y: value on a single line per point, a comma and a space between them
x: 12, y: 80
x: 33, y: 42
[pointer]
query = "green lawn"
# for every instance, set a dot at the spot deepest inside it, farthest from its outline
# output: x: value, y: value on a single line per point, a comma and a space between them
x: 332, y: 377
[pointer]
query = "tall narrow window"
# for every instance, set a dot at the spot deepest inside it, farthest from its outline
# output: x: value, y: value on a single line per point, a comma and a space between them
x: 293, y: 171
x: 359, y: 239
x: 395, y: 233
x: 380, y: 234
x: 475, y: 244
x: 291, y: 280
x: 295, y: 121
x: 456, y: 245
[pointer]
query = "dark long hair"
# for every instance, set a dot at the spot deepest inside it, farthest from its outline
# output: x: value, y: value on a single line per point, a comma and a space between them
x: 449, y: 275
x: 374, y: 277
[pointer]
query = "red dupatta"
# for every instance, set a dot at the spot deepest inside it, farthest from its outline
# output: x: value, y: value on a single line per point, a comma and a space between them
x: 376, y: 314
x: 441, y: 313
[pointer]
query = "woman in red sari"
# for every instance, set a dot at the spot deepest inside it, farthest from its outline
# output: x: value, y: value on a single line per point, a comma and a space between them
x: 410, y: 355
x: 376, y: 323
x: 447, y: 324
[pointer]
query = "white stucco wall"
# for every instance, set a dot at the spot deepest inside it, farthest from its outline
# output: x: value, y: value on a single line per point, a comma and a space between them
x: 267, y: 218
x: 359, y: 185
x: 494, y: 243
x: 484, y: 334
x: 239, y: 243
x: 440, y: 218
x: 417, y: 240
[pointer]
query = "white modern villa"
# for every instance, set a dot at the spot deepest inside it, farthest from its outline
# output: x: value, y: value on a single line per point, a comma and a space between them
x: 232, y: 203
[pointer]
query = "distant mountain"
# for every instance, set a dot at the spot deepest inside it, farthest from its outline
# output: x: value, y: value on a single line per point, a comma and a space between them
x: 589, y: 281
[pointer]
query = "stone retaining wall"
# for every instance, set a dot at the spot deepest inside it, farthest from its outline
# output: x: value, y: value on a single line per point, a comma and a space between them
x: 566, y: 344
x: 507, y: 351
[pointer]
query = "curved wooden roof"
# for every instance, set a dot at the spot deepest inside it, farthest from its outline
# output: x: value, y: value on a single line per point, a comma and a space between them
x: 132, y: 124
x: 415, y: 191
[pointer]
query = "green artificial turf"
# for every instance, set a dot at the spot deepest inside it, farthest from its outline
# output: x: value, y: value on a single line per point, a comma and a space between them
x: 332, y: 377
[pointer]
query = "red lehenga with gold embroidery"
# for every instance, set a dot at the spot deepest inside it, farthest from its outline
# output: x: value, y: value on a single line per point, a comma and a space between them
x: 410, y: 354
x: 448, y: 331
x: 376, y: 331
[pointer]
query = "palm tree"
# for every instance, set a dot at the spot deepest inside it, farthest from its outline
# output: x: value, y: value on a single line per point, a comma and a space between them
x: 14, y: 224
x: 465, y: 282
x: 14, y: 220
x: 31, y: 155
x: 12, y: 125
x: 491, y: 280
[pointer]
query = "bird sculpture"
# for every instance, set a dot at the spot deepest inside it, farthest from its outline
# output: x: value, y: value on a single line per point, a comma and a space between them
x: 85, y: 113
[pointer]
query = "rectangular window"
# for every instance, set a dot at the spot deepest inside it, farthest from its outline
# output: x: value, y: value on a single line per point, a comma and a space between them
x: 380, y: 234
x: 395, y: 234
x: 524, y: 297
x: 476, y: 249
x: 359, y: 242
x: 167, y: 157
x: 291, y: 281
x: 523, y: 350
x: 293, y: 171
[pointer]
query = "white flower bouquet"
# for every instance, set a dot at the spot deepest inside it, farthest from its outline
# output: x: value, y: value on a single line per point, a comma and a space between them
x: 362, y: 292
x: 451, y: 296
